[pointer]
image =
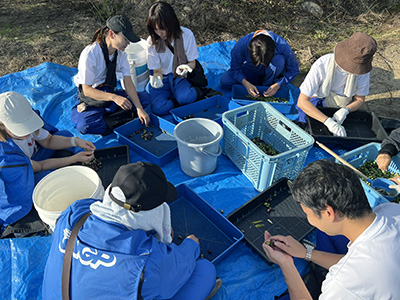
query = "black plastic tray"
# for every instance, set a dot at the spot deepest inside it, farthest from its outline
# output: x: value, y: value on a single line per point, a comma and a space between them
x: 362, y: 127
x: 112, y: 158
x: 285, y: 218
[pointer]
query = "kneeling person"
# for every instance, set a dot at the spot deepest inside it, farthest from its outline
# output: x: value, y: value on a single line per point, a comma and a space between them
x: 124, y: 248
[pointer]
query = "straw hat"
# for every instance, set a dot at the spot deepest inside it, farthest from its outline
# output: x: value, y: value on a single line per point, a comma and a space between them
x: 355, y: 54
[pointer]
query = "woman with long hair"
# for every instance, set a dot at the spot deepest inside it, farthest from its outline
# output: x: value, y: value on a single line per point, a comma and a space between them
x: 172, y: 54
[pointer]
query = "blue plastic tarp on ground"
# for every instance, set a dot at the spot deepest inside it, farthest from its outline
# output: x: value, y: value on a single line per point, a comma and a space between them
x: 50, y: 89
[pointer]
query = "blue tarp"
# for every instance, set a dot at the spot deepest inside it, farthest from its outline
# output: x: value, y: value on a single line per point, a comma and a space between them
x: 50, y: 89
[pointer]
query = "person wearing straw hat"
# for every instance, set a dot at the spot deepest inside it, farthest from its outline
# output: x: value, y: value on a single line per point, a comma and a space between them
x: 28, y: 152
x: 339, y: 79
x: 332, y: 197
x: 100, y: 106
x: 261, y: 58
x: 124, y: 249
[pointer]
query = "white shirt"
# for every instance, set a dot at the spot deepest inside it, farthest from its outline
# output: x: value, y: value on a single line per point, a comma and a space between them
x: 318, y: 73
x: 28, y: 145
x: 92, y: 66
x: 166, y: 60
x: 371, y: 268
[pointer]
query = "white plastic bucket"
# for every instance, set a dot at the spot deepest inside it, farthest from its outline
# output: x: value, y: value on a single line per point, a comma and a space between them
x: 57, y: 190
x: 198, y: 145
x: 137, y: 58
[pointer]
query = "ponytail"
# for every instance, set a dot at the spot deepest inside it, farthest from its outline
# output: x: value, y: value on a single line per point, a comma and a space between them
x: 100, y: 35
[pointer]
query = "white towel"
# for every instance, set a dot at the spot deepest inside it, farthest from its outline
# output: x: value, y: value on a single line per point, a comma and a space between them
x: 157, y: 219
x: 351, y: 81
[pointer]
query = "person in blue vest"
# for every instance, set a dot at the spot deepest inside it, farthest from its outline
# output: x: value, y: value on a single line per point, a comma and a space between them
x: 124, y: 249
x: 261, y: 58
x: 100, y: 107
x: 28, y: 152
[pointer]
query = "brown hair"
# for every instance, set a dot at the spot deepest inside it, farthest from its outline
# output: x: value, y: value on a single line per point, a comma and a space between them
x: 163, y: 16
x: 100, y: 35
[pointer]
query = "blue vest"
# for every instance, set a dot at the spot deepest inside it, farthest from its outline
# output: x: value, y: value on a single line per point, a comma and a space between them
x: 107, y: 261
x: 16, y: 183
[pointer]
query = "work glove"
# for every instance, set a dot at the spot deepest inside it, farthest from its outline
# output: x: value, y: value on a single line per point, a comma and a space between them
x: 156, y: 82
x: 182, y: 70
x: 395, y: 187
x: 340, y: 115
x: 335, y: 128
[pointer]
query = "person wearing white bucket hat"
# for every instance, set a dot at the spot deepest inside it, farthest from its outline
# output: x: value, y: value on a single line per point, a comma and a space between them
x: 101, y: 107
x: 339, y: 79
x: 124, y: 249
x: 27, y: 148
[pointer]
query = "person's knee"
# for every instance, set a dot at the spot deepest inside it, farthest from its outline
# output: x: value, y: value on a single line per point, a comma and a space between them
x: 162, y: 108
x: 279, y: 62
x: 208, y: 271
x: 227, y: 81
x: 186, y: 96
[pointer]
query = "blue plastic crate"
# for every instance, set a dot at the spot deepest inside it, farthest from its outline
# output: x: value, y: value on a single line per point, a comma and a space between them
x: 289, y: 92
x: 262, y: 120
x: 190, y: 214
x: 161, y: 149
x: 369, y: 152
x: 210, y: 108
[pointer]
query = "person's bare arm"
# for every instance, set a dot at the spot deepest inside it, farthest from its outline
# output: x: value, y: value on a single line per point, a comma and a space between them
x: 357, y: 102
x: 96, y: 94
x: 309, y: 109
x: 131, y: 91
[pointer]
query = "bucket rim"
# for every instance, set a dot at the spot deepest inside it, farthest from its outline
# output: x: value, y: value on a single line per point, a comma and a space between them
x: 192, y: 145
x: 57, y: 171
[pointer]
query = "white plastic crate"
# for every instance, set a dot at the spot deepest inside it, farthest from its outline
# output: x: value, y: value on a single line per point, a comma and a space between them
x: 262, y: 120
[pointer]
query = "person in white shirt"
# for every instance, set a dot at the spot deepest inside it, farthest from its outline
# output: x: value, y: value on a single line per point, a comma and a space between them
x: 334, y: 201
x: 100, y: 106
x: 339, y: 79
x: 172, y: 54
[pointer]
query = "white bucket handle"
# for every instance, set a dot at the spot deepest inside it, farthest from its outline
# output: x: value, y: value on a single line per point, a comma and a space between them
x: 205, y: 151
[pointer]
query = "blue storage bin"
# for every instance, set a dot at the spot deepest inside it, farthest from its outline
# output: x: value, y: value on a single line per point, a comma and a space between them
x: 262, y: 120
x: 210, y: 108
x: 190, y: 214
x: 161, y: 149
x: 369, y: 152
x: 289, y: 92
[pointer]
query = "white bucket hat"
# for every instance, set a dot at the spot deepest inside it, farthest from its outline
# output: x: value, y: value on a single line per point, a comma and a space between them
x: 17, y: 114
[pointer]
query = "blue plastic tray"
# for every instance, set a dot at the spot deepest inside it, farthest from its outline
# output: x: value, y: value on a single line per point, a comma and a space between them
x: 161, y: 149
x: 190, y: 214
x: 210, y: 108
x: 369, y: 152
x: 289, y: 92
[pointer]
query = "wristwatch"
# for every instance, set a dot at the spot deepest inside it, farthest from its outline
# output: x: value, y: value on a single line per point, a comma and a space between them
x: 309, y: 248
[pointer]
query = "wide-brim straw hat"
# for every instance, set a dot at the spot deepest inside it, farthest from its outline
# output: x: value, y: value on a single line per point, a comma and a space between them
x: 355, y: 54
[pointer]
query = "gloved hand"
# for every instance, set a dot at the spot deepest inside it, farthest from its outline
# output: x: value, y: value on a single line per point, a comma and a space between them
x: 156, y: 82
x: 340, y: 115
x: 395, y: 187
x: 182, y: 70
x: 335, y: 128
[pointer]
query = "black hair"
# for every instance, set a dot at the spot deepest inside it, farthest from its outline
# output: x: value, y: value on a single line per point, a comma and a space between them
x: 324, y: 182
x: 261, y: 50
x: 163, y: 16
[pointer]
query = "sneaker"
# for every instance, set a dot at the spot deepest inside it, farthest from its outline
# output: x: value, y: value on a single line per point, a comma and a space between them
x: 218, y: 284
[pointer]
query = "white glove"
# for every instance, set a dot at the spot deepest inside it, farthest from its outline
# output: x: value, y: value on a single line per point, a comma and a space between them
x: 340, y: 115
x: 395, y: 187
x: 335, y: 128
x: 182, y: 70
x: 156, y: 82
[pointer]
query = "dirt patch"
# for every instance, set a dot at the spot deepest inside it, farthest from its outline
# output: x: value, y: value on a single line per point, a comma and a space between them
x: 34, y: 31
